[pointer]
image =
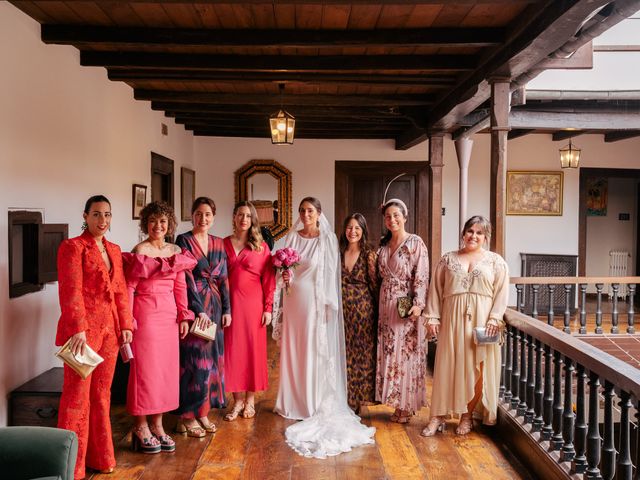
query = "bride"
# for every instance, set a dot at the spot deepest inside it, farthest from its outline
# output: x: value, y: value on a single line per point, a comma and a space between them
x: 310, y: 329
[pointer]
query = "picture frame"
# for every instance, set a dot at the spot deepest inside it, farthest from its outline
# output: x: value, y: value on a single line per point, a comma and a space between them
x: 597, y: 196
x: 138, y: 200
x: 187, y: 192
x: 534, y: 193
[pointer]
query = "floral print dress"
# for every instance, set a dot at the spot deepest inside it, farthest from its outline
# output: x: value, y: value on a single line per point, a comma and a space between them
x: 402, y: 342
x: 359, y: 304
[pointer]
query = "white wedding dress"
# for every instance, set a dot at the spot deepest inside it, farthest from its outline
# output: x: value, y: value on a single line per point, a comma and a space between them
x: 310, y: 329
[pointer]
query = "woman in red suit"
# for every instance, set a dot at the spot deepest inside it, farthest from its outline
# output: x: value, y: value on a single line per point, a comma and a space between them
x: 251, y: 285
x: 95, y: 312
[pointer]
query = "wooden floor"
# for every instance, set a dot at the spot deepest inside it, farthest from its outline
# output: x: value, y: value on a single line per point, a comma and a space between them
x: 255, y: 449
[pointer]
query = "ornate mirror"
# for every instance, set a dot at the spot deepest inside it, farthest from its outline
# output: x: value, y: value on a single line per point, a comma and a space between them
x: 267, y: 184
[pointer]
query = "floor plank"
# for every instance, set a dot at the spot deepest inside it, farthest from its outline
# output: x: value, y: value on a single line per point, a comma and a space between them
x: 255, y: 449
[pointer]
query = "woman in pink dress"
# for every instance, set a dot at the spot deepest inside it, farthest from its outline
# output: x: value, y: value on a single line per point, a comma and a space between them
x: 155, y: 273
x: 251, y: 285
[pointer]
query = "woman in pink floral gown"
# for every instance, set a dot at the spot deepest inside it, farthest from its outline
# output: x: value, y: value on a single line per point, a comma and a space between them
x: 404, y: 268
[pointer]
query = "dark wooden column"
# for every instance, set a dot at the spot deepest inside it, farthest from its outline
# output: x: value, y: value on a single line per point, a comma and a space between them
x: 499, y: 130
x: 436, y: 162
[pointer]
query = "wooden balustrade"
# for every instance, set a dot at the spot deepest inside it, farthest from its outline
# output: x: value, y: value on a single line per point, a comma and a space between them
x: 566, y: 284
x: 563, y: 391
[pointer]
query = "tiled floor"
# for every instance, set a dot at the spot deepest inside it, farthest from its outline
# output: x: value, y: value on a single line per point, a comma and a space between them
x: 622, y: 346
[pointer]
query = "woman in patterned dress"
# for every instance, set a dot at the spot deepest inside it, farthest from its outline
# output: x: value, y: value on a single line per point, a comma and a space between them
x: 201, y: 361
x: 470, y: 288
x: 403, y: 264
x: 359, y: 304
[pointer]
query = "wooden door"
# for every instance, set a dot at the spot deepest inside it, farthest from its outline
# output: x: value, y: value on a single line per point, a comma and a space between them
x: 360, y: 188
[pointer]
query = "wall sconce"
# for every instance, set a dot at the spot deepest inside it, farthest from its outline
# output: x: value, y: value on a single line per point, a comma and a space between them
x: 569, y: 156
x: 282, y: 124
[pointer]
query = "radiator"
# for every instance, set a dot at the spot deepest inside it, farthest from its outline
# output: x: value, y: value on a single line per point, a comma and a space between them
x: 619, y: 267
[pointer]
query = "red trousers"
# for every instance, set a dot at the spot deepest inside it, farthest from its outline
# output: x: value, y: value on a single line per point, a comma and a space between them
x: 85, y: 404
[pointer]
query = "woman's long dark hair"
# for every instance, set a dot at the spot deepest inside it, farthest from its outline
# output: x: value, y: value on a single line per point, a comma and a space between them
x: 387, y: 236
x: 95, y: 199
x: 364, y: 241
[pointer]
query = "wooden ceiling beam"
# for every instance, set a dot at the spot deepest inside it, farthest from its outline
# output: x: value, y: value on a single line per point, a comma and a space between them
x: 278, y: 63
x: 540, y: 32
x: 565, y: 135
x: 410, y: 138
x: 520, y: 132
x: 326, y: 2
x: 620, y: 135
x: 117, y: 37
x: 577, y: 121
x: 369, y: 79
x: 286, y: 100
x: 299, y: 136
x: 300, y: 120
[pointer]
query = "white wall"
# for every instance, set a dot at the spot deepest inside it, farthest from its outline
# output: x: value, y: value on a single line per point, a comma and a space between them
x: 66, y: 133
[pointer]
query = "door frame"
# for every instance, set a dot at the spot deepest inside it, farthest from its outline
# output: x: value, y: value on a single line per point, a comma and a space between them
x: 163, y: 166
x: 586, y: 173
x: 345, y: 168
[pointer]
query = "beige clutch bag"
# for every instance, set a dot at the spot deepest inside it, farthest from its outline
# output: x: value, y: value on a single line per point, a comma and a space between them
x: 83, y: 365
x: 205, y: 333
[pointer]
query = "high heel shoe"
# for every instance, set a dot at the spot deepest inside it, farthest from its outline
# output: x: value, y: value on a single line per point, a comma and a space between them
x: 249, y: 411
x: 148, y: 444
x: 465, y: 425
x: 436, y: 424
x: 166, y: 442
x: 207, y: 425
x: 238, y: 407
x: 195, y: 431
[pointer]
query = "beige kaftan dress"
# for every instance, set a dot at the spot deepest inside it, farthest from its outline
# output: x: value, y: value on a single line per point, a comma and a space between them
x: 459, y: 301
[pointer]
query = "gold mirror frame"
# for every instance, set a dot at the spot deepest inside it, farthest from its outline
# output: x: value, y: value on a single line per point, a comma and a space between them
x: 283, y: 176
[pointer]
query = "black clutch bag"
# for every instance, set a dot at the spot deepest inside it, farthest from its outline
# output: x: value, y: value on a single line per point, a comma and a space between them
x: 404, y: 305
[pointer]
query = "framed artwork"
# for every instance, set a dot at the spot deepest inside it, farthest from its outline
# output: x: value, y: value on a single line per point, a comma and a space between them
x: 138, y: 200
x: 534, y: 193
x: 597, y: 196
x: 187, y: 192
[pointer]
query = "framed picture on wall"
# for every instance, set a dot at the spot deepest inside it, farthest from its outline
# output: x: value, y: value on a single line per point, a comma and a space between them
x: 138, y: 200
x: 597, y: 196
x: 187, y: 192
x: 534, y: 193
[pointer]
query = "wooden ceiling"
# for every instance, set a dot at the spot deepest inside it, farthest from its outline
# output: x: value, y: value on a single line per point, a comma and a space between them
x: 359, y: 69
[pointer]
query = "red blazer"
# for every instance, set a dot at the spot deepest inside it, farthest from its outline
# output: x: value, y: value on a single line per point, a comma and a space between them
x: 90, y: 296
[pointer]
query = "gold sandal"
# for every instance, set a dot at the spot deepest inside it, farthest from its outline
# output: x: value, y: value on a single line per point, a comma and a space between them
x: 208, y: 426
x: 465, y: 425
x: 233, y: 414
x: 195, y: 431
x: 249, y: 411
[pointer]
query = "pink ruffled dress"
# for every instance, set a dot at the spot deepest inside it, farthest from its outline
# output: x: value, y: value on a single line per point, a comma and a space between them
x: 158, y: 294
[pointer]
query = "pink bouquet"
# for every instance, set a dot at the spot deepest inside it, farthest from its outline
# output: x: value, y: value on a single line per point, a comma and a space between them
x: 285, y: 259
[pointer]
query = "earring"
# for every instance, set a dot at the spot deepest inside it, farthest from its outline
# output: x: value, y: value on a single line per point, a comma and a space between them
x: 84, y: 226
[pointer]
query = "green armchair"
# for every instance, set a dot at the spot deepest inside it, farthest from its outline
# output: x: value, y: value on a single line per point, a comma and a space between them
x: 37, y: 453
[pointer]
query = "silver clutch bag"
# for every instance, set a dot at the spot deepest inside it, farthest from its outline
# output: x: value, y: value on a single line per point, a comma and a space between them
x: 480, y: 336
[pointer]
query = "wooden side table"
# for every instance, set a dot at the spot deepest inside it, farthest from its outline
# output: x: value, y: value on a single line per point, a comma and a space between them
x: 36, y: 402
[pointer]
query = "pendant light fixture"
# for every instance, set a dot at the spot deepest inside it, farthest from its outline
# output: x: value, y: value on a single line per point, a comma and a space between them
x: 282, y: 124
x: 569, y: 156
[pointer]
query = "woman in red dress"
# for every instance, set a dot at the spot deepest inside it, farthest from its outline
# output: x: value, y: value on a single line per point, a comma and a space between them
x: 251, y: 284
x: 95, y: 312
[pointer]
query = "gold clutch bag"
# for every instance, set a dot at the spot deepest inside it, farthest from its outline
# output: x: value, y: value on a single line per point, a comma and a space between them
x: 404, y: 305
x: 208, y: 333
x: 83, y: 365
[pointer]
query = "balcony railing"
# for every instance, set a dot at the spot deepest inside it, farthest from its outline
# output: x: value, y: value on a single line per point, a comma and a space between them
x: 561, y: 392
x: 619, y: 310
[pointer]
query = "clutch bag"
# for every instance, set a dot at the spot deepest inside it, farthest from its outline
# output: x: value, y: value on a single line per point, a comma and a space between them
x: 404, y: 305
x: 83, y: 365
x: 208, y: 333
x: 480, y: 336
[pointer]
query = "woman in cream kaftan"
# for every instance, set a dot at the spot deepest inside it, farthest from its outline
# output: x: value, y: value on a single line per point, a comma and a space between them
x: 469, y: 289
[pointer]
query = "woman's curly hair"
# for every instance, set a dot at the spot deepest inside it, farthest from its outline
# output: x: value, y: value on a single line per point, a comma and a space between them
x: 158, y: 209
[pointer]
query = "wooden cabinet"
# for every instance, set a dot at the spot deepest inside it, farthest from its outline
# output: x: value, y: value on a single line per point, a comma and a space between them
x: 36, y: 403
